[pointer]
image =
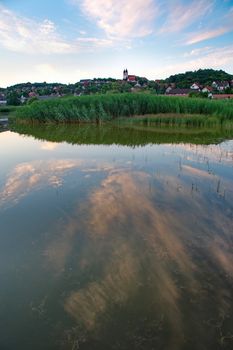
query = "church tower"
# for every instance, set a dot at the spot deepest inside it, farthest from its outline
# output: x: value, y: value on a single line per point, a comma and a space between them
x: 125, y: 74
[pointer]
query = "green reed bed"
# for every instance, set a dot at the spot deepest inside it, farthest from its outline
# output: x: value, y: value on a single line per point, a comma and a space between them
x: 102, y: 108
x: 181, y: 120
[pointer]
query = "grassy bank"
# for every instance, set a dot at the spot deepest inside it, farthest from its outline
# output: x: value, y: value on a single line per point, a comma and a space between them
x: 101, y: 108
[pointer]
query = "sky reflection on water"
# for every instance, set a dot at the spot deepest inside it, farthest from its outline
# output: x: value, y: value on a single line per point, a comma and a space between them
x: 113, y: 247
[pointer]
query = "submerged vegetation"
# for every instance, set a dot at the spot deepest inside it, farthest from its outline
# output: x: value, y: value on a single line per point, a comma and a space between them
x: 102, y: 108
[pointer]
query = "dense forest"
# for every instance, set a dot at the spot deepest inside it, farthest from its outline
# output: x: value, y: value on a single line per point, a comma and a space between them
x: 202, y: 76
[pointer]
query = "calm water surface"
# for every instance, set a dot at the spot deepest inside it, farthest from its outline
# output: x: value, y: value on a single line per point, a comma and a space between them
x: 115, y: 247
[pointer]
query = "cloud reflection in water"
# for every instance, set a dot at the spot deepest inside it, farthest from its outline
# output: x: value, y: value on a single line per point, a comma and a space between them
x: 141, y: 228
x: 27, y: 177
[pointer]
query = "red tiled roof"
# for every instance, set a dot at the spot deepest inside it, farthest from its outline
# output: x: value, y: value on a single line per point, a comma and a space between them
x: 132, y: 77
x: 208, y: 87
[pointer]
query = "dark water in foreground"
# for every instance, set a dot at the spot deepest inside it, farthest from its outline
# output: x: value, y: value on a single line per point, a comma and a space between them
x: 108, y: 246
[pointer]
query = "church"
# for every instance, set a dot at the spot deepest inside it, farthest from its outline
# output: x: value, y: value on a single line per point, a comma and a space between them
x: 129, y: 78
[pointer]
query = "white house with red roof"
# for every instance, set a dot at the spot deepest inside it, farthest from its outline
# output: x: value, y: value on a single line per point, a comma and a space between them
x: 195, y: 86
x: 207, y: 89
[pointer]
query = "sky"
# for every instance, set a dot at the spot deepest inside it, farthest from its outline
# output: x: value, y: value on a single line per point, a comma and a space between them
x: 68, y: 40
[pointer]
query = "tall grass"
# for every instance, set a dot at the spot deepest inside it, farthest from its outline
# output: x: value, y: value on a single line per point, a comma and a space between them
x: 100, y: 108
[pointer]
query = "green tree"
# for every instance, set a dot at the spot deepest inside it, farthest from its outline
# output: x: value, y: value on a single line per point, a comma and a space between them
x: 32, y: 99
x: 13, y: 99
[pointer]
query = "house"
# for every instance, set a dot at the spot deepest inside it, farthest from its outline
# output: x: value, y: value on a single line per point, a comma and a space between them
x: 3, y: 100
x: 220, y: 85
x: 195, y: 86
x: 208, y: 89
x: 168, y: 89
x: 23, y: 99
x: 85, y: 82
x: 138, y: 85
x: 32, y: 94
x: 132, y: 78
x: 180, y: 92
x: 215, y: 85
x: 223, y: 85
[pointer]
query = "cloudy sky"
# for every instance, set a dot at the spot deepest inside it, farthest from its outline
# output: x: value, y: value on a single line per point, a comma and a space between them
x: 68, y: 40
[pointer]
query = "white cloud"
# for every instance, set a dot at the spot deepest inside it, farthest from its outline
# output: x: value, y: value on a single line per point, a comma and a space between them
x: 21, y: 34
x: 210, y: 34
x: 215, y: 58
x: 181, y: 15
x: 49, y: 146
x: 199, y: 51
x: 207, y: 34
x: 132, y: 18
x: 90, y: 42
x: 45, y: 69
x: 32, y: 176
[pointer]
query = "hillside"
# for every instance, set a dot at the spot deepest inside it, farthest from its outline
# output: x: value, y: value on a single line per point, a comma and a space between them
x: 202, y: 76
x: 102, y: 85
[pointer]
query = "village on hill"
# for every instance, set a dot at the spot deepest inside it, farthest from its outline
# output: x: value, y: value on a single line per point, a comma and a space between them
x: 177, y: 85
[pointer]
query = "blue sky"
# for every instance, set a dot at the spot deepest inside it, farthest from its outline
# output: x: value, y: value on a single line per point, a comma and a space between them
x: 68, y: 40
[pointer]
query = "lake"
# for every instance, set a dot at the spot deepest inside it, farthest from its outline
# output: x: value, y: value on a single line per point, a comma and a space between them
x: 116, y: 238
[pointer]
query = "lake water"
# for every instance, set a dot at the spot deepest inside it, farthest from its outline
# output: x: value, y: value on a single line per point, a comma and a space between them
x: 110, y: 240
